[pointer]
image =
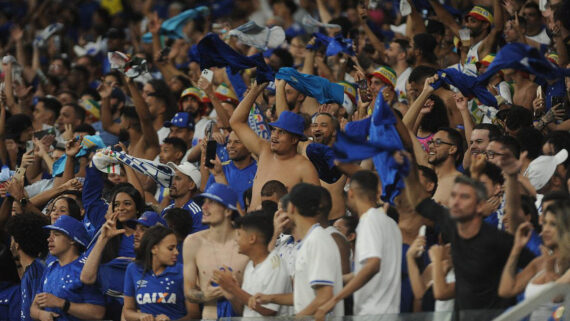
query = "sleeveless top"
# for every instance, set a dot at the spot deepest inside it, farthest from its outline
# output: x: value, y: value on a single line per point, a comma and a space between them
x: 544, y: 311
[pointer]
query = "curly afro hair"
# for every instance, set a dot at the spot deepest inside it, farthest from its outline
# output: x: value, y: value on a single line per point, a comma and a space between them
x: 27, y: 230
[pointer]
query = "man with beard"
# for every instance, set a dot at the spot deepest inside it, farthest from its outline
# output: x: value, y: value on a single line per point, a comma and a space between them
x: 238, y: 172
x: 397, y: 58
x: 191, y: 102
x: 481, y: 135
x: 324, y: 129
x: 444, y: 154
x: 479, y: 20
x: 479, y: 251
x: 184, y: 187
x: 277, y: 159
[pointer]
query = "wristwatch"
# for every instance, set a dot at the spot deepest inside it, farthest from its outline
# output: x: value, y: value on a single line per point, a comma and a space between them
x: 24, y: 202
x: 66, y: 306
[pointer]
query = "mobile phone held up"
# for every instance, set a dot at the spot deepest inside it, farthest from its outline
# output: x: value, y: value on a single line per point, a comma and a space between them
x: 208, y: 74
x: 211, y: 153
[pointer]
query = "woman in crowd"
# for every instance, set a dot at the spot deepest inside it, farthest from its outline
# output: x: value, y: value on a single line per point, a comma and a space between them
x: 61, y: 294
x: 545, y: 269
x: 154, y: 283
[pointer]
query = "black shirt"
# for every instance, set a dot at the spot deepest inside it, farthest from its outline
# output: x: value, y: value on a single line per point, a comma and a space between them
x: 478, y: 261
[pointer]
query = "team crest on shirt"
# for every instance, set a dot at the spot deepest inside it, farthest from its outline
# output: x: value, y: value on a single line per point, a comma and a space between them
x: 156, y: 297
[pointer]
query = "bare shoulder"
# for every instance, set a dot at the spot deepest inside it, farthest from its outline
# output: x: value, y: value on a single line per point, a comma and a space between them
x: 195, y: 240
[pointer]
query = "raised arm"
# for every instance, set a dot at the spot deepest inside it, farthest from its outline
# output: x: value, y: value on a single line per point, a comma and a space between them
x: 445, y: 17
x: 323, y: 11
x: 513, y: 209
x: 239, y: 124
x: 441, y: 289
x: 376, y: 43
x: 513, y: 283
x: 106, y: 115
x: 148, y: 132
x: 91, y: 267
x: 490, y: 41
x: 223, y: 114
x: 414, y: 111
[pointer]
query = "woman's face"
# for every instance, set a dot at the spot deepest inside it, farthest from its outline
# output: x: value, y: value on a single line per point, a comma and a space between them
x: 125, y: 206
x: 59, y: 208
x: 165, y: 252
x: 58, y: 243
x: 138, y: 235
x: 549, y: 234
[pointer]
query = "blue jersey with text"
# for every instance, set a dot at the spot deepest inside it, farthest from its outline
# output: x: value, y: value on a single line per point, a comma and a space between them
x: 157, y: 294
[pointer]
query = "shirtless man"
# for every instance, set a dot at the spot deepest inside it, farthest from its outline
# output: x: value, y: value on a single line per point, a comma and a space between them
x: 212, y: 249
x: 445, y: 151
x: 277, y: 159
x: 524, y: 88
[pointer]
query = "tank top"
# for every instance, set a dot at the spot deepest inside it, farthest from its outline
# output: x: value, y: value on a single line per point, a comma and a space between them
x: 544, y: 311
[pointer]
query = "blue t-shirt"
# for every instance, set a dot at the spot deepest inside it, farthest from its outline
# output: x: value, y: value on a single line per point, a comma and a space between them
x: 64, y: 283
x: 31, y: 281
x: 239, y: 179
x: 9, y: 301
x: 195, y: 211
x: 157, y: 294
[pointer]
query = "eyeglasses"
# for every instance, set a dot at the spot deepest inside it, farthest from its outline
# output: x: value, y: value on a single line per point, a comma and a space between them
x: 438, y: 141
x: 491, y: 154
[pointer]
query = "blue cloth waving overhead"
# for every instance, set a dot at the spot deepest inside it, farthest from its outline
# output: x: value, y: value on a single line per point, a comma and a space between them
x: 469, y: 86
x: 321, y: 89
x: 383, y: 140
x: 173, y: 27
x: 334, y: 45
x: 216, y: 53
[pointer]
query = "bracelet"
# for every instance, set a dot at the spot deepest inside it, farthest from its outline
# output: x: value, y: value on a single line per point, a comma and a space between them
x: 66, y: 306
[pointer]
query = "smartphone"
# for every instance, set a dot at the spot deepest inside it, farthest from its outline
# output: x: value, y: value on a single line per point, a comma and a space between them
x: 421, y: 232
x: 40, y: 134
x: 211, y: 153
x: 208, y: 74
x: 29, y: 146
x: 555, y: 100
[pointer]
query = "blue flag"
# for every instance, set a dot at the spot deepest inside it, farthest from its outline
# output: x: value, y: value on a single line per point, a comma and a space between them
x: 321, y: 89
x: 334, y: 45
x: 469, y: 86
x: 88, y: 143
x: 216, y: 53
x: 256, y: 121
x: 322, y: 157
x: 526, y: 58
x: 377, y: 138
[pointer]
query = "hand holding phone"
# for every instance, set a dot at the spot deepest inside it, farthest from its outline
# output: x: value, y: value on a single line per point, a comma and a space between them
x: 211, y: 147
x: 208, y: 74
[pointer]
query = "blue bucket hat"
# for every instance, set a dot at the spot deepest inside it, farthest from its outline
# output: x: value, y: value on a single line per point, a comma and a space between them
x: 292, y: 123
x: 222, y: 194
x: 148, y: 219
x: 72, y: 228
x: 182, y: 120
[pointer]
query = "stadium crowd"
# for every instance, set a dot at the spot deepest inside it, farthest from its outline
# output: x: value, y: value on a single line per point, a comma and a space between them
x: 166, y: 160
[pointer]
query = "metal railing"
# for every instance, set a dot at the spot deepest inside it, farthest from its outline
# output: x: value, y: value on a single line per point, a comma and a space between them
x: 526, y: 307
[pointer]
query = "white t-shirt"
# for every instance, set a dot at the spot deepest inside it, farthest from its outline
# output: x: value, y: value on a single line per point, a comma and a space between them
x: 378, y: 236
x: 317, y: 263
x: 401, y: 85
x: 286, y: 248
x: 268, y: 277
x: 542, y: 37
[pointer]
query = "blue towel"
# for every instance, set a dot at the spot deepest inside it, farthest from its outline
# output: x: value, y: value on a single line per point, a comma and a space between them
x: 172, y: 28
x: 318, y: 87
x: 225, y: 309
x: 383, y: 140
x: 334, y: 45
x: 322, y: 157
x: 526, y: 58
x: 468, y: 85
x: 89, y: 142
x: 237, y: 82
x: 216, y: 53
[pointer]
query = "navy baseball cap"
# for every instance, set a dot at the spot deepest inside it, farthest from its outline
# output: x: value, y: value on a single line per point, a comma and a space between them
x: 221, y: 193
x: 147, y: 219
x: 72, y: 228
x: 292, y: 123
x: 182, y: 120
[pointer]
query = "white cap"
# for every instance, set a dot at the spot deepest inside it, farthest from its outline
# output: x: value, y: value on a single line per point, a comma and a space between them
x: 347, y: 104
x: 540, y: 170
x: 189, y: 170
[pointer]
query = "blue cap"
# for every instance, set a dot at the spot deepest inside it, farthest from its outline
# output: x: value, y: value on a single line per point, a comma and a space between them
x: 222, y: 194
x: 72, y: 228
x: 148, y: 219
x: 182, y: 120
x: 292, y: 123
